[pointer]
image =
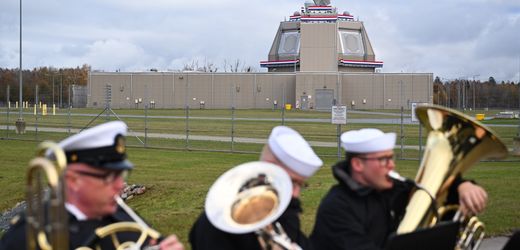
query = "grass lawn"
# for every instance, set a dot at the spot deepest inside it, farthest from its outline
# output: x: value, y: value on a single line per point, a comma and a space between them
x: 178, y: 181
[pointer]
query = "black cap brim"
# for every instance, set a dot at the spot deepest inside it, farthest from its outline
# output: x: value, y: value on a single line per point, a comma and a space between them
x: 117, y: 165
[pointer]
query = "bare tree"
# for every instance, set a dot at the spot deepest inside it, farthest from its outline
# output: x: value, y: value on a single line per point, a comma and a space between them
x: 191, y: 66
x: 208, y: 66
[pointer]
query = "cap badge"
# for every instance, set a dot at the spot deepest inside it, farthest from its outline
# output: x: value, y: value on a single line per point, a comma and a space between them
x: 120, y: 145
x: 74, y: 158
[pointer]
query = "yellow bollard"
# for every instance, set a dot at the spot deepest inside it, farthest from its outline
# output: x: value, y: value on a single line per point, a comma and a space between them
x: 40, y: 105
x: 44, y: 109
x: 34, y: 109
x: 16, y: 105
x: 53, y: 109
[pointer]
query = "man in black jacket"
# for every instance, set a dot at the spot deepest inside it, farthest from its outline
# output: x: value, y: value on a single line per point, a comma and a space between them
x: 366, y: 206
x: 95, y: 173
x: 287, y: 149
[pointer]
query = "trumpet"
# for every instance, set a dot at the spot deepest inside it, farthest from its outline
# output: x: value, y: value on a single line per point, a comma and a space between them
x: 455, y: 142
x: 249, y: 198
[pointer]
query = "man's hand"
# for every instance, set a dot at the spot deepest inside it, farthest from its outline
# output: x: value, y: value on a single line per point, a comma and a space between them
x: 169, y: 243
x: 472, y: 198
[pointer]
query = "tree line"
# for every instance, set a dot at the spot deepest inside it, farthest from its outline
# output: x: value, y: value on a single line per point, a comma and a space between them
x: 53, y: 84
x: 471, y: 94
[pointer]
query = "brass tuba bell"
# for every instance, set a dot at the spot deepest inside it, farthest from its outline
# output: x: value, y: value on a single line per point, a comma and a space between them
x: 249, y: 198
x: 455, y: 142
x: 46, y: 218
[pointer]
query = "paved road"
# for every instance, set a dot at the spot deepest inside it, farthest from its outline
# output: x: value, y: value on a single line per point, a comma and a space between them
x: 191, y: 137
x: 140, y: 135
x: 406, y: 120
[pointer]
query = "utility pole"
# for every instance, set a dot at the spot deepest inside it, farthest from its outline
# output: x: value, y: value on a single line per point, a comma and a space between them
x: 20, y: 123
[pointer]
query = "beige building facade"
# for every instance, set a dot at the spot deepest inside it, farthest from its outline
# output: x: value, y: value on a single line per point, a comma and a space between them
x: 303, y: 90
x: 318, y: 58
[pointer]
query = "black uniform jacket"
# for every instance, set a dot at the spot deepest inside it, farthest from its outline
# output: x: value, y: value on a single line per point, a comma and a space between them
x: 354, y: 217
x: 79, y: 232
x: 204, y: 235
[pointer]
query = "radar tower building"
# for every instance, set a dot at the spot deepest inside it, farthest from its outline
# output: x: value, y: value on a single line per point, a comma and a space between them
x: 318, y: 38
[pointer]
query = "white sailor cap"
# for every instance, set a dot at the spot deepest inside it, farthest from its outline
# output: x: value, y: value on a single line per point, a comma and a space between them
x: 367, y: 140
x: 102, y: 146
x: 293, y: 151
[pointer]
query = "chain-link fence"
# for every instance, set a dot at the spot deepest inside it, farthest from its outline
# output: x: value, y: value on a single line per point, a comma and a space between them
x: 224, y: 130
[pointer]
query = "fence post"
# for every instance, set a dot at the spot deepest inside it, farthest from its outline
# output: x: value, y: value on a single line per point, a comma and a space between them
x: 145, y: 125
x: 69, y: 115
x: 402, y: 132
x: 232, y: 129
x: 420, y: 141
x: 36, y: 112
x: 339, y: 141
x: 8, y: 109
x: 187, y: 129
x: 233, y: 96
x: 283, y: 104
x: 187, y: 111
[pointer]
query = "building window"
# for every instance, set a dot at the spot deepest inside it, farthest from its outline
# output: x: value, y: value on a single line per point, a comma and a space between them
x: 289, y: 43
x: 352, y: 43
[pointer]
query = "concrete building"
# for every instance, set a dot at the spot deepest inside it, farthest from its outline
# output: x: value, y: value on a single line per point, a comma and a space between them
x: 318, y: 58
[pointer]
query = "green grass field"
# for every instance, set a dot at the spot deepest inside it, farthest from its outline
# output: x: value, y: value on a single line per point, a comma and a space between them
x: 178, y: 181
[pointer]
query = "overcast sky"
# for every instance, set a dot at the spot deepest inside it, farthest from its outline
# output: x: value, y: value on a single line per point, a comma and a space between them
x: 450, y: 38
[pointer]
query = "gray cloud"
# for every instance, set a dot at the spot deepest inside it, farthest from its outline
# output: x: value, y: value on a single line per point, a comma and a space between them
x: 449, y: 38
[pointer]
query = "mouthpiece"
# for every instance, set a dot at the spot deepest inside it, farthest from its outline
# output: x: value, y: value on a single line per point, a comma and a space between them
x: 396, y: 176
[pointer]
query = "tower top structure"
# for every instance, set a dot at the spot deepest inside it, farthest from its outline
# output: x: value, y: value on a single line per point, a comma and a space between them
x: 318, y: 38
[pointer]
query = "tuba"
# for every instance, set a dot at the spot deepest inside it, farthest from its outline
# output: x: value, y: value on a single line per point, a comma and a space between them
x: 455, y: 142
x: 249, y: 198
x: 46, y: 218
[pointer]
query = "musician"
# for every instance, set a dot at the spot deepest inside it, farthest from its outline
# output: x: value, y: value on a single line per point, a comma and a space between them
x: 366, y: 206
x: 96, y: 171
x: 287, y: 149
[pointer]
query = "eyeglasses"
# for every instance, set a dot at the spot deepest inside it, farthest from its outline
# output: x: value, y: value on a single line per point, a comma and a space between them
x: 383, y: 160
x: 107, y: 177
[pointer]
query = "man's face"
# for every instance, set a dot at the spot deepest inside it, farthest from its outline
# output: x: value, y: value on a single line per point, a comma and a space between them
x: 374, y: 169
x: 298, y: 181
x: 92, y: 189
